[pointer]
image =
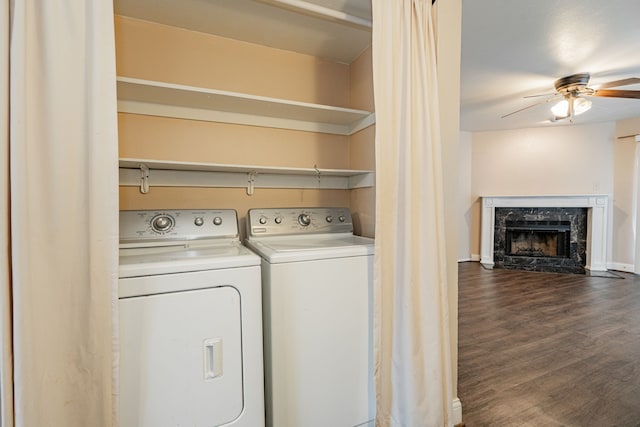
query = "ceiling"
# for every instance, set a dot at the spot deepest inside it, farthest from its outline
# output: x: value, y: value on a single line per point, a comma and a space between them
x: 510, y: 49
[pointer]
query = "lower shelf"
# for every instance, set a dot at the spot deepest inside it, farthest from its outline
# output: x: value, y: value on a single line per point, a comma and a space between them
x: 145, y: 173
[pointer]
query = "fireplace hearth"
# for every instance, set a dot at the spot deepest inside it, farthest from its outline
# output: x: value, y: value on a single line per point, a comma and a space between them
x: 541, y: 239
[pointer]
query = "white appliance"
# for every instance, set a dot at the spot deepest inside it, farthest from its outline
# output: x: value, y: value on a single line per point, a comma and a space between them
x: 317, y: 300
x: 190, y: 321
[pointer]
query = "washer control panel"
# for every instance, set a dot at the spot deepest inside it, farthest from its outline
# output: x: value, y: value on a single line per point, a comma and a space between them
x: 177, y: 224
x: 263, y: 222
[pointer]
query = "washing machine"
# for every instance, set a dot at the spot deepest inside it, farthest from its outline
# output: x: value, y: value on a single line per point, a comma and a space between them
x: 190, y: 321
x: 317, y: 316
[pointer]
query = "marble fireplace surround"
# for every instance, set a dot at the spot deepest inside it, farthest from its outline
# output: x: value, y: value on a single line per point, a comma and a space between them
x: 596, y: 222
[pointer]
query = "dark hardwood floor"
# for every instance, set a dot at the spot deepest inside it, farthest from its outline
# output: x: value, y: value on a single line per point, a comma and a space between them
x: 545, y: 349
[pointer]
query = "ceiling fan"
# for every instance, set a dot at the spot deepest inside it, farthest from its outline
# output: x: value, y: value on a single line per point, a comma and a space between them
x: 573, y: 92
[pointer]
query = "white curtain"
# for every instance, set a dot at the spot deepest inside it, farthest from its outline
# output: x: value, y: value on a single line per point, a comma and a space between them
x: 411, y: 325
x: 59, y: 214
x: 6, y: 370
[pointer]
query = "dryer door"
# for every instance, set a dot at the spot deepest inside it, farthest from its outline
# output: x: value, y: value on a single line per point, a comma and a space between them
x: 180, y: 358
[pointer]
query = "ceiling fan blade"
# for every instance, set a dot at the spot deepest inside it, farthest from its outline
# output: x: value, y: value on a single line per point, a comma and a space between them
x: 531, y: 106
x: 618, y: 83
x: 617, y: 93
x: 539, y: 95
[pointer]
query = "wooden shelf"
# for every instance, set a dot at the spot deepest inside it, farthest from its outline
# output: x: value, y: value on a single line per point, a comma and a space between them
x: 188, y: 174
x: 187, y: 102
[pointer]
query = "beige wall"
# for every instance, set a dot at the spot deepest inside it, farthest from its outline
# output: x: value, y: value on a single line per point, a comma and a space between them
x: 623, y: 248
x: 163, y: 53
x: 362, y: 144
x: 540, y: 161
x: 158, y: 52
x: 465, y: 201
x: 449, y: 33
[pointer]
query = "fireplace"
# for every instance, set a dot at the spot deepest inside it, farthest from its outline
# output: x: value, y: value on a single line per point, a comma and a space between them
x: 587, y: 247
x: 541, y: 239
x: 538, y: 238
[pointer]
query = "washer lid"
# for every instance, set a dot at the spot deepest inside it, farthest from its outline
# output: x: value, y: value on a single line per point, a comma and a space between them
x: 280, y: 249
x: 148, y: 261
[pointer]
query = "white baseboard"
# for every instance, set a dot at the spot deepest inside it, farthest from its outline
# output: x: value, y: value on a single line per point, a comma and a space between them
x: 474, y: 258
x: 618, y: 266
x: 457, y: 411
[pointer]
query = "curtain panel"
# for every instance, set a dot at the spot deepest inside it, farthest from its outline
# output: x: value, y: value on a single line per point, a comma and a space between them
x: 60, y: 214
x: 412, y: 356
x: 6, y: 356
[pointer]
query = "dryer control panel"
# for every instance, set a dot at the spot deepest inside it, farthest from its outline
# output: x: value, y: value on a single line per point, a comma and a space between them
x: 287, y: 221
x: 177, y: 224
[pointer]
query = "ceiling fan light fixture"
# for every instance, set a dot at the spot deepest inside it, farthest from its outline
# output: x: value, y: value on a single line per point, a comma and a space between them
x: 561, y: 109
x: 580, y: 105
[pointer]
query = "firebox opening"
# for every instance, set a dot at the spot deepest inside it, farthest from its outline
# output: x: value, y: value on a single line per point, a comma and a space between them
x: 538, y: 238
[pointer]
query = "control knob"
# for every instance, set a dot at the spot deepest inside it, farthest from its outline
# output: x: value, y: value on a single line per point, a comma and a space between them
x: 162, y: 223
x: 341, y: 218
x: 262, y: 220
x: 329, y: 218
x: 278, y: 220
x: 217, y: 220
x: 304, y: 219
x: 198, y: 221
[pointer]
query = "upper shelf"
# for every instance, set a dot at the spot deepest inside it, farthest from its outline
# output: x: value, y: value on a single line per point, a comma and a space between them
x: 188, y: 102
x: 334, y: 30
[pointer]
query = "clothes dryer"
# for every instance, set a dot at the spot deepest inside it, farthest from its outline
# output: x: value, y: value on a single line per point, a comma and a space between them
x: 317, y: 305
x: 190, y: 321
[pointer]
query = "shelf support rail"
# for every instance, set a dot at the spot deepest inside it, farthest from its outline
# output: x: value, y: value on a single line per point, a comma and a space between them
x: 144, y: 178
x: 251, y: 182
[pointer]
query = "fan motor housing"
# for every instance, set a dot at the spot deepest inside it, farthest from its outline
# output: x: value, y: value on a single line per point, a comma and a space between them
x: 572, y: 84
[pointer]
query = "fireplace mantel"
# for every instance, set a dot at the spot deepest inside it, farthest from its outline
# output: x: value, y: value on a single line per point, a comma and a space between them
x: 596, y: 230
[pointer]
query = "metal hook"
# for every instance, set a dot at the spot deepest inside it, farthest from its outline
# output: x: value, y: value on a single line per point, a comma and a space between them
x: 144, y: 179
x: 251, y: 183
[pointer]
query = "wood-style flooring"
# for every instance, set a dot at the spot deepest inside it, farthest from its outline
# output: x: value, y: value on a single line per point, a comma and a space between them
x: 546, y: 349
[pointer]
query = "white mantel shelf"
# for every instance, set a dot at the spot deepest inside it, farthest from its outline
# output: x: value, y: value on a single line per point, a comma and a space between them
x: 597, y: 205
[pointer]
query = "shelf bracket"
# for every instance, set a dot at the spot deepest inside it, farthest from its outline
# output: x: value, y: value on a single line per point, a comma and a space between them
x: 144, y: 179
x: 251, y: 183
